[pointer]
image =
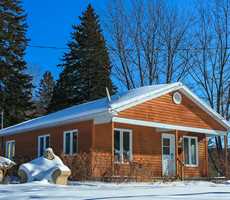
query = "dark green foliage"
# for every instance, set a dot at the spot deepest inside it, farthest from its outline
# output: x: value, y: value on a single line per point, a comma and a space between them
x: 15, y: 84
x: 45, y: 93
x: 86, y: 67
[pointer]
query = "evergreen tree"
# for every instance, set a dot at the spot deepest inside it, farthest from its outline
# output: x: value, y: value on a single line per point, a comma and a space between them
x: 15, y: 84
x: 86, y: 66
x: 45, y: 93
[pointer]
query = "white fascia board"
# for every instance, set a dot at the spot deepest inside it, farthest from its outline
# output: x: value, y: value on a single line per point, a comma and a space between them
x: 205, y: 107
x: 167, y: 126
x: 141, y: 99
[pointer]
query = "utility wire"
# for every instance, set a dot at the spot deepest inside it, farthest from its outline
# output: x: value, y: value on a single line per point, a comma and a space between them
x: 156, y: 49
x: 47, y: 47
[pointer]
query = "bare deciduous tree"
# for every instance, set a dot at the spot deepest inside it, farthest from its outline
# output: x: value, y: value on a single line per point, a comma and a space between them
x: 176, y: 44
x: 210, y: 69
x: 146, y: 44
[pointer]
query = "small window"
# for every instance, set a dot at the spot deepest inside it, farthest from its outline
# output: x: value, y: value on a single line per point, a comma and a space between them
x: 190, y: 151
x: 122, y: 145
x: 10, y: 149
x: 43, y: 144
x: 71, y: 142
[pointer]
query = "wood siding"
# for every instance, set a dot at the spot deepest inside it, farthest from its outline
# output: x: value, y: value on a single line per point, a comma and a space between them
x: 146, y: 150
x: 27, y: 143
x: 102, y: 149
x: 163, y: 110
x: 202, y: 169
x: 147, y: 153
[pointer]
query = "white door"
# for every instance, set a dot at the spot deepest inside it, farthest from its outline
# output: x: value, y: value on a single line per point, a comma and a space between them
x: 43, y: 144
x: 168, y: 155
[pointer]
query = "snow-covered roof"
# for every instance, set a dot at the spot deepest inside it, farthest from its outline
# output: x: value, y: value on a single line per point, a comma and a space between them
x: 93, y: 109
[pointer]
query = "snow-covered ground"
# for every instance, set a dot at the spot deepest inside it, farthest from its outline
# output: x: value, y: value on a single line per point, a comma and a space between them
x: 103, y: 191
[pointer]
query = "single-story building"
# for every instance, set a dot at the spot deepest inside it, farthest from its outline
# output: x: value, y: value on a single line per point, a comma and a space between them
x: 160, y: 130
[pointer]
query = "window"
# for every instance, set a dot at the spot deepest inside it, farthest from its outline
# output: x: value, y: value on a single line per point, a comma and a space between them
x: 43, y: 144
x: 71, y: 142
x: 10, y: 149
x: 166, y: 146
x: 122, y: 145
x: 190, y: 151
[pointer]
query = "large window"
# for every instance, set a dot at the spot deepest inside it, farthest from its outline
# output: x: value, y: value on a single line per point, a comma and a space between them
x: 190, y: 151
x: 122, y: 145
x: 43, y: 144
x: 71, y: 142
x: 10, y: 149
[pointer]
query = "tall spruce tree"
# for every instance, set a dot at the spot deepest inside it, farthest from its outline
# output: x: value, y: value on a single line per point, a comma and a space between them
x: 86, y: 66
x: 45, y: 93
x: 15, y: 84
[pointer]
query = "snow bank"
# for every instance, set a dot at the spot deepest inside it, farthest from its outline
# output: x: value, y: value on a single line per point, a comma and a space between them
x: 41, y: 169
x: 195, y: 190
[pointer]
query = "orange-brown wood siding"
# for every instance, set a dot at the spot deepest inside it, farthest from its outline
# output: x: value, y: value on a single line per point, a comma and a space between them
x: 103, y: 137
x: 163, y: 110
x: 146, y: 149
x: 147, y: 152
x: 202, y: 169
x: 27, y: 143
x: 102, y: 150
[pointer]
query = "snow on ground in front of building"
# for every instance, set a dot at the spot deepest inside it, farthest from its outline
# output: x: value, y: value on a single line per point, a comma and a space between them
x: 133, y: 191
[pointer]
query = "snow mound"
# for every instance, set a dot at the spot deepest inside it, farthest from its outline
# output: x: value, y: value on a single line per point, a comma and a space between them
x: 41, y: 169
x: 6, y: 163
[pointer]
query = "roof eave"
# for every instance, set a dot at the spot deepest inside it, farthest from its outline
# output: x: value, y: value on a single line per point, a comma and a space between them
x: 90, y: 116
x: 205, y: 107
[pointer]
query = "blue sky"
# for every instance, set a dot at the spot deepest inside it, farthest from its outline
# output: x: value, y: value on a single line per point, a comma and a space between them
x: 49, y: 24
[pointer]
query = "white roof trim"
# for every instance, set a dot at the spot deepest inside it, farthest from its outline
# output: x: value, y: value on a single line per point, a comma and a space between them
x: 167, y: 126
x: 148, y: 96
x: 204, y: 106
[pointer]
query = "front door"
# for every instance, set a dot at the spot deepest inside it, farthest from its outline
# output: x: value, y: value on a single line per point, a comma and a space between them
x: 168, y: 155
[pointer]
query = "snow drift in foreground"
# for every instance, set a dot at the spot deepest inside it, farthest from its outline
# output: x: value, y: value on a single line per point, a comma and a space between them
x: 103, y: 191
x: 41, y: 168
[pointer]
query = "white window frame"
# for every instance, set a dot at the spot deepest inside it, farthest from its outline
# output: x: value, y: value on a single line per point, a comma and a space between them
x: 9, y: 142
x: 121, y: 130
x: 189, y: 150
x: 71, y: 141
x: 42, y: 136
